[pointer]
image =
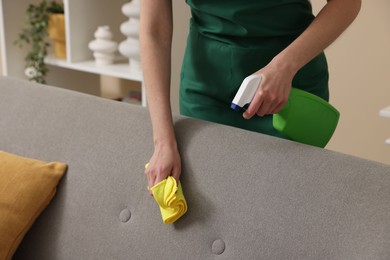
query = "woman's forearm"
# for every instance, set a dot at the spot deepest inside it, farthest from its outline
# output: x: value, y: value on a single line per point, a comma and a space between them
x: 274, y: 90
x: 156, y: 37
x: 331, y: 21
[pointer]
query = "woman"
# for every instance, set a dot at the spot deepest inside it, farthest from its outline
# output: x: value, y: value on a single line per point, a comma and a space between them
x: 229, y: 40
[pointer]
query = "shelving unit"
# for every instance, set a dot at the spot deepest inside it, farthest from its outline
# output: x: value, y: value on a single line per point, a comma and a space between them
x: 78, y: 71
x: 385, y: 113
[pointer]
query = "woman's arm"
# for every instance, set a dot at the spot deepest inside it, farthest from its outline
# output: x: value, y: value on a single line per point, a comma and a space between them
x: 156, y: 37
x: 275, y: 88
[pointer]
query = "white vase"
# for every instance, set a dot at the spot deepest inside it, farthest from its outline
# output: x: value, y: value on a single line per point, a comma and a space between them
x: 130, y: 47
x: 130, y: 28
x: 132, y: 9
x: 103, y: 46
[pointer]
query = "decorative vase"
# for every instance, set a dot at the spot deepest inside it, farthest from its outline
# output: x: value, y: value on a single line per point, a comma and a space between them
x: 103, y: 47
x: 130, y: 47
x: 56, y: 31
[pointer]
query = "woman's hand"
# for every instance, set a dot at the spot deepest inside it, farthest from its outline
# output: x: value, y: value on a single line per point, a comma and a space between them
x: 275, y: 87
x: 164, y: 162
x: 273, y: 91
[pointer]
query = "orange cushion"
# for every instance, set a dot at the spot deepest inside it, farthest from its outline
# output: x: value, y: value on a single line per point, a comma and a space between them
x: 26, y: 188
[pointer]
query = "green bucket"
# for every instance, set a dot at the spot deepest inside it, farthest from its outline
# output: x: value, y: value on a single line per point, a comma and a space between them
x: 307, y: 118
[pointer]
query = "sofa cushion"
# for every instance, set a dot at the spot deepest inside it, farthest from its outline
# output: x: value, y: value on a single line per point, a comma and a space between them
x: 26, y: 188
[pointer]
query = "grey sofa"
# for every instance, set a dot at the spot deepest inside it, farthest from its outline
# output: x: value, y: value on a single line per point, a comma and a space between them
x: 250, y: 196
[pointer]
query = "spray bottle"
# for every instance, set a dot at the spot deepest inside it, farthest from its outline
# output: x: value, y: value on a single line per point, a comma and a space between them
x: 305, y: 118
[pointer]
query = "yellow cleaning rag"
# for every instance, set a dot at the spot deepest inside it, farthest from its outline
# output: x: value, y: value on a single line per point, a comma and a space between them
x: 169, y: 196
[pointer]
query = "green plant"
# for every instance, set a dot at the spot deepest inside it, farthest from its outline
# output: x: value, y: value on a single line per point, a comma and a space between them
x: 34, y: 33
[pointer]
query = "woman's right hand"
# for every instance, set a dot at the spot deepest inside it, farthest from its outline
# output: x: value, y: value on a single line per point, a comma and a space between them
x: 164, y: 162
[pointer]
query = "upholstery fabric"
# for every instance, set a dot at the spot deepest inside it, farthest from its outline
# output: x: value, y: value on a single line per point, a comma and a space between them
x: 26, y: 188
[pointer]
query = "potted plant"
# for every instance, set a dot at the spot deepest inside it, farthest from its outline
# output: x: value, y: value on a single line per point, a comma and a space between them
x: 40, y: 24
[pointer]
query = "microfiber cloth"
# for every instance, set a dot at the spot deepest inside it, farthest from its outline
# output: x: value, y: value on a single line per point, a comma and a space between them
x: 169, y: 196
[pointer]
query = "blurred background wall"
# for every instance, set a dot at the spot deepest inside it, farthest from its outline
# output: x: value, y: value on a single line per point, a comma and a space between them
x: 359, y: 63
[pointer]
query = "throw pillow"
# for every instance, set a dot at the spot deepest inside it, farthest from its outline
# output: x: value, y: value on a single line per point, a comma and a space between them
x: 26, y: 188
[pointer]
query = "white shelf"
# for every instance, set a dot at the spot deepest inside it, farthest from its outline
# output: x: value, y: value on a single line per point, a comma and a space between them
x: 119, y: 69
x: 78, y: 70
x: 385, y: 112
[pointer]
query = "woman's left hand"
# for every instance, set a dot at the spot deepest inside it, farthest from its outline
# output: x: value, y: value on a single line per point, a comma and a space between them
x: 273, y: 91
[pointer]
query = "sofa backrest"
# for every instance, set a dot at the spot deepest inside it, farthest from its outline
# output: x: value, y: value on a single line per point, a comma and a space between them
x: 250, y: 196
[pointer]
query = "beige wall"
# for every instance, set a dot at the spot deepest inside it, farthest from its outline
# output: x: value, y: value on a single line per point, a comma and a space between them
x: 359, y: 64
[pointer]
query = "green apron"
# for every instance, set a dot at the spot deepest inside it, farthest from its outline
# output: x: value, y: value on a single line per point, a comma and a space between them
x: 230, y: 40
